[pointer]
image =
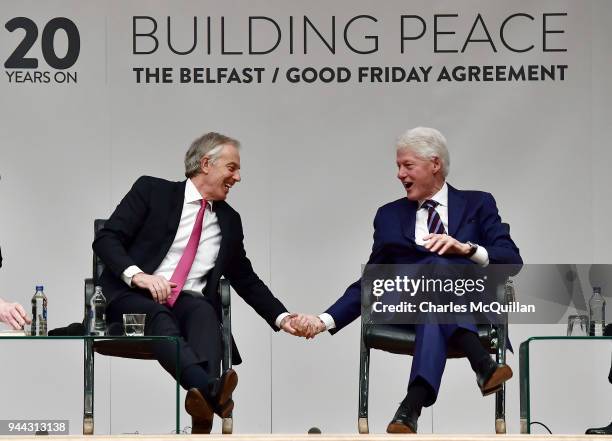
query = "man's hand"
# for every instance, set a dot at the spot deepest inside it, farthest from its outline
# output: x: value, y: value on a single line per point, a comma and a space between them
x: 445, y: 244
x: 13, y: 314
x: 307, y: 325
x: 159, y: 287
x: 286, y: 326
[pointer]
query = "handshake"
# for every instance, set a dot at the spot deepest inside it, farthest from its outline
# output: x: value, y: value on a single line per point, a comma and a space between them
x: 302, y: 325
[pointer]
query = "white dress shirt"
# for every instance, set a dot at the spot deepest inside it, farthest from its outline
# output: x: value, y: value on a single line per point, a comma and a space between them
x: 208, y: 248
x: 481, y: 257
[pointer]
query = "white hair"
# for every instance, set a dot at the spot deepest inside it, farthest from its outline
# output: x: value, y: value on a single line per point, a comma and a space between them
x: 426, y: 143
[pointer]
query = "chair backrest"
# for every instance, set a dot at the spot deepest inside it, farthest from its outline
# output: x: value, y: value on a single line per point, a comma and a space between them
x: 98, y: 265
x: 90, y: 283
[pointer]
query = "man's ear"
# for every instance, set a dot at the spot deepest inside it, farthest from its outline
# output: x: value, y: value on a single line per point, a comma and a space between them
x: 205, y: 164
x: 437, y: 164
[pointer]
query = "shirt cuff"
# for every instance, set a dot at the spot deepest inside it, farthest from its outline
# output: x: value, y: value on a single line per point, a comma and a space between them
x: 280, y: 318
x: 130, y: 272
x: 328, y: 321
x: 481, y: 256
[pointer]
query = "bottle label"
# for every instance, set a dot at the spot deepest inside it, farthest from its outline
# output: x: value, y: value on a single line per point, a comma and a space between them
x: 598, y: 331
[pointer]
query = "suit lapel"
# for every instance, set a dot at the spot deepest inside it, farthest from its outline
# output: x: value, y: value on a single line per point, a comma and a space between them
x: 175, y: 209
x: 408, y: 217
x: 456, y: 210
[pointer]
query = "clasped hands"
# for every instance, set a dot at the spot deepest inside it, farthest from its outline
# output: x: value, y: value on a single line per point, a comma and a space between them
x: 302, y: 325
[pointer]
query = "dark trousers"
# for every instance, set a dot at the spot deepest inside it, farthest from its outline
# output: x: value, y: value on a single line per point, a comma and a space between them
x: 193, y: 319
x: 429, y: 358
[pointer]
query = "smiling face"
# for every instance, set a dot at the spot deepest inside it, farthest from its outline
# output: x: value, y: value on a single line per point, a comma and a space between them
x: 421, y: 177
x: 219, y: 175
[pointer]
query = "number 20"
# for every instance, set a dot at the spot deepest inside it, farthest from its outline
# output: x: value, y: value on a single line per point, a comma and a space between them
x: 17, y: 60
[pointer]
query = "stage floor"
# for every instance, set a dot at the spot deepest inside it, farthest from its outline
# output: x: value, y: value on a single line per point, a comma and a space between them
x: 301, y: 437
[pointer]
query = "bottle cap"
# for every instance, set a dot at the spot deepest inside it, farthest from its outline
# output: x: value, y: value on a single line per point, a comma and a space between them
x: 39, y: 287
x: 597, y: 289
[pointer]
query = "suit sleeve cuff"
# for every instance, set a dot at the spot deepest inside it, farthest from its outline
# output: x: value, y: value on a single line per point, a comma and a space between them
x: 481, y: 256
x: 280, y: 318
x: 128, y: 273
x: 328, y: 321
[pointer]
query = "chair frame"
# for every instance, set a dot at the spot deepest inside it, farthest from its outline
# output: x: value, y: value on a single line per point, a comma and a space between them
x: 109, y: 346
x: 496, y: 337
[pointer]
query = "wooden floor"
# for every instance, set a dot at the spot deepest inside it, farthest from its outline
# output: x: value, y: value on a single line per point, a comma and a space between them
x: 300, y: 437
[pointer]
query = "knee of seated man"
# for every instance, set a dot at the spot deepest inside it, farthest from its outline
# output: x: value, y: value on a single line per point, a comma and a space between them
x: 203, y: 310
x: 161, y: 322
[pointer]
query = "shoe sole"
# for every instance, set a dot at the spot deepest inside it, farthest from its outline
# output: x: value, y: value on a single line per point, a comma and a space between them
x: 229, y: 385
x: 226, y: 410
x: 399, y: 428
x: 201, y: 412
x: 495, y: 383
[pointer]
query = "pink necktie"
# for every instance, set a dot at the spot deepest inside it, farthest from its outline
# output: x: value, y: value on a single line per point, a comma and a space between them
x: 184, y: 266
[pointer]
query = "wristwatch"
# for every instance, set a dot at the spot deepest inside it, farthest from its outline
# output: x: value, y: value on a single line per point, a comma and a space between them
x: 473, y: 248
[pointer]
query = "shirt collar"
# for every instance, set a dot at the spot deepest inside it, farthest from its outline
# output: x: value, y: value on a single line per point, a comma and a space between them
x: 193, y: 195
x: 441, y: 197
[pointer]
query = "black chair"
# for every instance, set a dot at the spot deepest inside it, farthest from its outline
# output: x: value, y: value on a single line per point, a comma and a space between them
x: 138, y: 349
x: 401, y: 340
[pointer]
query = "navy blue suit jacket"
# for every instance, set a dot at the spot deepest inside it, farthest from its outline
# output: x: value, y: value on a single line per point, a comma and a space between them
x: 472, y: 216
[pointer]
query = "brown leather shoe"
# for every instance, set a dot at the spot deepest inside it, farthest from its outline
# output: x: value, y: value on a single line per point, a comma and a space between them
x: 223, y: 394
x: 200, y: 410
x: 493, y: 377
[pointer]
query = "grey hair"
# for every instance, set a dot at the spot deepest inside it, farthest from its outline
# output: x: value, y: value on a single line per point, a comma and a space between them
x: 210, y: 144
x: 426, y: 143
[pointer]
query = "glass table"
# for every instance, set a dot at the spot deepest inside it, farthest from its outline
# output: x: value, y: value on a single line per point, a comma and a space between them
x: 524, y: 380
x: 88, y: 365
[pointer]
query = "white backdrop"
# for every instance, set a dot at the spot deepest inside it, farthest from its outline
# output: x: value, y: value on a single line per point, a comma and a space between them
x: 317, y: 159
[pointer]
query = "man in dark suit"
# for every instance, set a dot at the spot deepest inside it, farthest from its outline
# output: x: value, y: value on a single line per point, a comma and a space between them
x: 12, y: 313
x: 165, y: 248
x: 435, y: 223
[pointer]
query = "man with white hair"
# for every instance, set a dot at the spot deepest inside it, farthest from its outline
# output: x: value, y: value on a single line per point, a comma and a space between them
x: 434, y: 223
x: 165, y: 247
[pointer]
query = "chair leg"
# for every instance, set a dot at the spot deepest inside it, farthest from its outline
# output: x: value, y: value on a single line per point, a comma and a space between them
x: 88, y: 389
x: 364, y: 379
x: 500, y: 395
x: 500, y: 410
x: 363, y: 427
x: 228, y: 426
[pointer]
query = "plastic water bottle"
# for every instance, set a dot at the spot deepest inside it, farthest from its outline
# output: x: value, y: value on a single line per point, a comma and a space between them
x: 39, y: 312
x: 597, y: 312
x: 97, y: 322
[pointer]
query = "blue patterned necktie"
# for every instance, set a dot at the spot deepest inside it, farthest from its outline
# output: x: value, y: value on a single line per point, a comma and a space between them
x: 434, y: 222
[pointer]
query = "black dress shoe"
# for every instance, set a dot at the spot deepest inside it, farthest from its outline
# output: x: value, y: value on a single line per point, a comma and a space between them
x: 221, y: 393
x: 404, y: 421
x: 201, y: 411
x: 491, y: 376
x: 600, y: 430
